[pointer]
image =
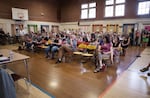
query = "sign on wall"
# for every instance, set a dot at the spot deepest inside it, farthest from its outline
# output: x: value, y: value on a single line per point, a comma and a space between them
x: 147, y: 28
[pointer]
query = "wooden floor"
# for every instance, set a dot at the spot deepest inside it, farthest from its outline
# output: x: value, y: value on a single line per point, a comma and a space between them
x: 26, y: 90
x: 66, y: 81
x: 132, y: 83
x: 32, y: 92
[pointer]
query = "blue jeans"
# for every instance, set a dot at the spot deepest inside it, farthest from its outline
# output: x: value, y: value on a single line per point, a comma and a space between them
x: 54, y: 50
x: 47, y: 50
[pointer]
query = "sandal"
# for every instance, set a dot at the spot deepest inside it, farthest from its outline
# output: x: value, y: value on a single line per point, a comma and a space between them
x: 144, y: 69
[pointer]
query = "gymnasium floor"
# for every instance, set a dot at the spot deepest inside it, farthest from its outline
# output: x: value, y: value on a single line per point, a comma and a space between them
x: 65, y: 80
x: 132, y: 83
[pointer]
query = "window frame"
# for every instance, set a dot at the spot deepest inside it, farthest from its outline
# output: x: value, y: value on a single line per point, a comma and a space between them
x: 88, y: 10
x: 123, y: 13
x: 144, y: 8
x: 114, y: 9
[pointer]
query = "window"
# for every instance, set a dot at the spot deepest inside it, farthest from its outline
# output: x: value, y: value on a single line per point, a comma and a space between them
x: 144, y: 8
x: 109, y: 2
x: 83, y: 6
x: 92, y: 5
x: 84, y: 14
x: 120, y: 1
x: 109, y: 11
x: 114, y: 8
x: 92, y: 13
x: 88, y: 10
x: 119, y: 10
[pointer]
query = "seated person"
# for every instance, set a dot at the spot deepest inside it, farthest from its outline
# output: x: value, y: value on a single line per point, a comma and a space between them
x: 28, y: 41
x: 53, y: 47
x: 56, y: 44
x: 100, y: 40
x: 92, y: 45
x: 102, y: 51
x: 82, y: 47
x: 85, y: 39
x: 47, y: 50
x: 68, y: 47
x: 37, y: 40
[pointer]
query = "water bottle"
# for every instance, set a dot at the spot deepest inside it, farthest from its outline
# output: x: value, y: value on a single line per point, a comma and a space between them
x: 11, y: 55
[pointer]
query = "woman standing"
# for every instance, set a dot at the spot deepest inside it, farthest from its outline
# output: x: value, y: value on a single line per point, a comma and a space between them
x: 125, y: 43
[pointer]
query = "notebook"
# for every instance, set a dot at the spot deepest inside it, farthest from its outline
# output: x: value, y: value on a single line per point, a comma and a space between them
x: 2, y: 59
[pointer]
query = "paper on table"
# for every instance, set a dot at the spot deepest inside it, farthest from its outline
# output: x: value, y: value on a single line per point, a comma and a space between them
x: 4, y: 59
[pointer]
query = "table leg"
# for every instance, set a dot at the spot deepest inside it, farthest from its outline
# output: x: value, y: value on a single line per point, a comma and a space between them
x: 27, y: 70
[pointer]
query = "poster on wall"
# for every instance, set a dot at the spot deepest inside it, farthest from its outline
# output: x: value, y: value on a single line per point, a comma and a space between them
x: 32, y: 28
x: 97, y: 28
x: 84, y: 28
x: 147, y: 28
x: 112, y: 28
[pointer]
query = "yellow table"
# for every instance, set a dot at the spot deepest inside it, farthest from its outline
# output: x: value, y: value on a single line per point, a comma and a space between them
x: 43, y: 46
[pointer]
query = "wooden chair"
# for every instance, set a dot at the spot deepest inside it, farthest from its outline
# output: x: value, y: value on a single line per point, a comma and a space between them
x: 67, y: 57
x: 117, y: 52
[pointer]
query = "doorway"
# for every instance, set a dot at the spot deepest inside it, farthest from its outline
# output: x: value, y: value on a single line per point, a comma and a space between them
x: 128, y: 28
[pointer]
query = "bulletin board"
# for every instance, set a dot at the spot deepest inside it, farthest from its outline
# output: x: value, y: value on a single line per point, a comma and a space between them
x: 112, y: 27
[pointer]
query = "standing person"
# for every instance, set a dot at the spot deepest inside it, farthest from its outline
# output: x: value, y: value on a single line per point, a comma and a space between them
x: 125, y: 43
x: 22, y: 35
x: 3, y: 37
x: 137, y: 36
x: 17, y: 35
x: 116, y: 48
x: 131, y: 37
